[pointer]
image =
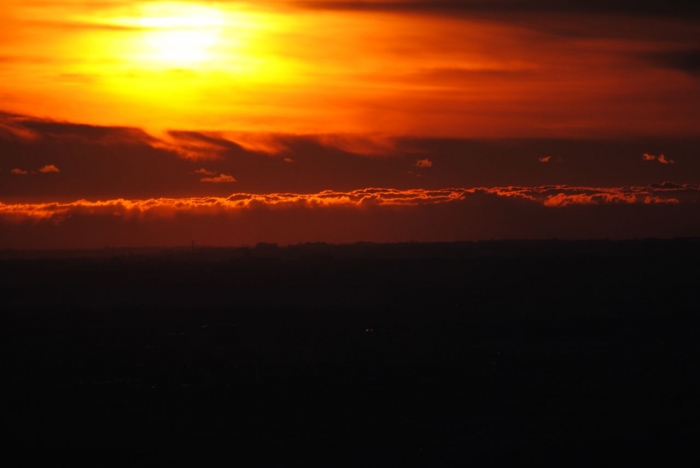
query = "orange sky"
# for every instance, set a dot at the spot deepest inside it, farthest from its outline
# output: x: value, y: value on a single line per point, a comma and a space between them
x: 307, y: 67
x: 137, y: 122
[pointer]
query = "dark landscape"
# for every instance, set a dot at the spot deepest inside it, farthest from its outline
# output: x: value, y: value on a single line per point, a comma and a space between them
x: 490, y: 353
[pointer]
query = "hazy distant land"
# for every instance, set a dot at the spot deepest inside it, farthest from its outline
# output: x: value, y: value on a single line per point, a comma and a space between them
x: 548, y: 352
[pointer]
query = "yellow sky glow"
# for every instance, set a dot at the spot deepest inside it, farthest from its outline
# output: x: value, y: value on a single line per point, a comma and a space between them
x: 179, y: 33
x: 235, y: 66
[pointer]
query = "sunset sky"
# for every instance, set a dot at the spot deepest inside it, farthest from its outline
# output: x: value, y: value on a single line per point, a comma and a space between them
x: 141, y: 123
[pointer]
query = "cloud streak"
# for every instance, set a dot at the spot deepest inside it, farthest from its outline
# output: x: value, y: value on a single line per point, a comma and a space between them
x: 371, y: 214
x: 553, y: 196
x: 451, y: 7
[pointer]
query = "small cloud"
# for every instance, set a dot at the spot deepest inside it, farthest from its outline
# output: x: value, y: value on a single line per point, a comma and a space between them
x: 552, y: 159
x: 205, y: 172
x: 19, y: 171
x: 222, y: 178
x: 423, y: 163
x: 661, y: 158
x: 49, y: 168
x: 288, y: 160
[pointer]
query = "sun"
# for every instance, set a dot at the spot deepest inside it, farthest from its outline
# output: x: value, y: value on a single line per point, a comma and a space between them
x: 180, y: 34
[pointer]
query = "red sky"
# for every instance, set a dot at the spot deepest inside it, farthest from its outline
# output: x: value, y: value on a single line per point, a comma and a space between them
x: 156, y: 123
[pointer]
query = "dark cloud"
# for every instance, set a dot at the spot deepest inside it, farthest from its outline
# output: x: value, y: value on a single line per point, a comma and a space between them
x: 66, y: 131
x: 683, y: 60
x: 639, y: 20
x: 452, y: 7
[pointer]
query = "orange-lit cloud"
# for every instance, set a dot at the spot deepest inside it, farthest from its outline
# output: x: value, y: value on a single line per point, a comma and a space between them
x: 373, y: 214
x: 548, y: 196
x: 48, y: 169
x: 661, y: 158
x: 423, y: 163
x: 205, y: 172
x: 18, y: 171
x: 221, y: 178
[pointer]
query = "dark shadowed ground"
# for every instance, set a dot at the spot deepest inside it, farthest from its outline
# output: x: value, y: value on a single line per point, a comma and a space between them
x: 493, y: 354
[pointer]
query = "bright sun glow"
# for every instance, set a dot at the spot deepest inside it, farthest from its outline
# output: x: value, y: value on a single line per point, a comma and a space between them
x: 179, y: 33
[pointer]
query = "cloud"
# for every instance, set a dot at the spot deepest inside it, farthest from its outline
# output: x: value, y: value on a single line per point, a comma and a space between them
x: 194, y: 145
x: 261, y: 143
x: 661, y: 158
x: 85, y: 26
x: 11, y: 128
x: 423, y: 163
x: 552, y: 159
x: 19, y: 171
x: 221, y: 178
x: 546, y: 196
x: 368, y: 145
x: 66, y: 132
x: 686, y: 60
x: 205, y: 172
x: 185, y: 144
x: 470, y: 7
x: 563, y: 199
x: 49, y: 168
x: 288, y: 160
x: 371, y: 214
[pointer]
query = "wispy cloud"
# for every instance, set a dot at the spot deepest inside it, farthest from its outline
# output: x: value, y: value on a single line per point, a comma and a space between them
x: 205, y: 172
x: 452, y: 7
x: 221, y: 178
x: 193, y: 145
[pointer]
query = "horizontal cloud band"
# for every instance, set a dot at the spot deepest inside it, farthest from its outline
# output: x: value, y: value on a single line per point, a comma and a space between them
x: 549, y: 196
x: 371, y: 214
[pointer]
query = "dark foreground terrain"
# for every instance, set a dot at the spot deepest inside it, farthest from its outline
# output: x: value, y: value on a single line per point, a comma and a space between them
x: 484, y: 354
